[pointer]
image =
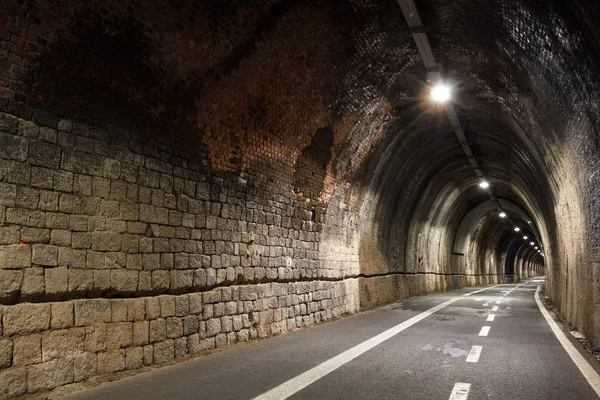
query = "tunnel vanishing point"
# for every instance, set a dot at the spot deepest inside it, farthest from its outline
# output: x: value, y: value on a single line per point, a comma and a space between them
x: 178, y: 176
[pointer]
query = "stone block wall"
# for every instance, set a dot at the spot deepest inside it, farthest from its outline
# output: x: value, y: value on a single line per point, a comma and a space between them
x: 46, y: 345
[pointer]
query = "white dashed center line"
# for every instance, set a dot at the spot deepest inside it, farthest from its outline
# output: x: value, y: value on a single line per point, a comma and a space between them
x: 490, y: 318
x: 484, y: 331
x: 495, y: 308
x: 498, y: 302
x: 460, y: 391
x: 473, y: 356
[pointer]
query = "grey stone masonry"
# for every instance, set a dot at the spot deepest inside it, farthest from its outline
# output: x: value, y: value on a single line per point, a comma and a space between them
x: 43, y: 346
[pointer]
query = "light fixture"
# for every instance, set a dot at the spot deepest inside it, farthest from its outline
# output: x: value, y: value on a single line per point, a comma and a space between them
x: 531, y: 243
x: 484, y: 184
x: 502, y: 215
x: 537, y: 248
x: 524, y: 237
x: 517, y: 229
x: 440, y: 93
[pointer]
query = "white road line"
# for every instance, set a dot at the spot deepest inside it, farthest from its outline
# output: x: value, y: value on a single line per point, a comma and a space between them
x: 486, y: 304
x: 495, y: 308
x: 474, y: 355
x: 490, y: 318
x: 484, y: 331
x: 498, y: 302
x: 460, y: 391
x: 586, y: 369
x: 301, y: 381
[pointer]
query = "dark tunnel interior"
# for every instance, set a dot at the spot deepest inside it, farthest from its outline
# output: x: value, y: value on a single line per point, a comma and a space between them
x: 168, y: 149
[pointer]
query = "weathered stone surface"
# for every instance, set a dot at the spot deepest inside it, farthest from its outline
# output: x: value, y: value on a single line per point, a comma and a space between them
x: 13, y: 147
x: 26, y: 318
x: 10, y: 282
x: 164, y: 351
x: 84, y: 366
x: 141, y: 333
x: 64, y: 343
x: 61, y: 315
x: 95, y: 338
x: 136, y: 309
x: 27, y: 350
x: 167, y: 306
x: 14, y: 382
x: 56, y: 280
x: 33, y: 282
x: 49, y: 375
x: 89, y: 312
x: 158, y: 330
x: 174, y: 327
x: 6, y: 353
x: 111, y: 361
x: 15, y: 256
x: 213, y: 327
x: 134, y: 357
x: 124, y: 280
x: 119, y: 335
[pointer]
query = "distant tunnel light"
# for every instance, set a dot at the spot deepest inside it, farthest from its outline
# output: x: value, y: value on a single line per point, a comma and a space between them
x: 502, y: 215
x: 484, y: 184
x: 524, y: 237
x: 517, y: 229
x: 537, y: 248
x: 440, y: 93
x: 531, y: 243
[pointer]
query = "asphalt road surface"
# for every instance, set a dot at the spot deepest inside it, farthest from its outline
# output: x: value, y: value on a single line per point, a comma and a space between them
x: 475, y: 343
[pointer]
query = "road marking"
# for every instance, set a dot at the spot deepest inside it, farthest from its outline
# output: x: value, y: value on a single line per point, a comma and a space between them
x: 460, y: 391
x: 490, y: 318
x: 486, y: 304
x: 495, y: 308
x: 473, y: 356
x: 586, y: 369
x: 484, y: 331
x: 498, y: 302
x: 294, y: 385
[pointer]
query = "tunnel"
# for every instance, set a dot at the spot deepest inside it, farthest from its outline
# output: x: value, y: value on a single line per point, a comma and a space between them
x: 183, y: 176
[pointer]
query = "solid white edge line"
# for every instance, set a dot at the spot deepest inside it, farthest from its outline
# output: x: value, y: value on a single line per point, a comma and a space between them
x: 584, y: 366
x: 294, y: 385
x: 490, y: 318
x: 460, y: 391
x: 474, y: 354
x: 484, y: 331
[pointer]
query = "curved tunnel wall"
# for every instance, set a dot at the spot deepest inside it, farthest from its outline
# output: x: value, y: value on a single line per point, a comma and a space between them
x: 187, y: 176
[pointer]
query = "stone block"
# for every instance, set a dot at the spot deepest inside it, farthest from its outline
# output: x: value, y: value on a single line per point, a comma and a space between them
x: 195, y: 302
x: 181, y: 279
x: 160, y: 280
x: 15, y: 256
x: 81, y: 280
x: 124, y: 280
x: 141, y: 333
x: 44, y: 154
x: 136, y: 309
x: 119, y: 335
x: 164, y: 351
x: 33, y: 282
x: 10, y: 282
x: 167, y: 306
x: 158, y: 330
x: 152, y: 308
x: 174, y: 327
x: 25, y: 318
x: 44, y: 254
x: 13, y: 147
x: 95, y: 338
x: 106, y: 241
x: 111, y: 361
x: 180, y: 345
x: 151, y: 261
x: 64, y: 343
x: 14, y: 382
x: 148, y: 354
x: 190, y: 325
x: 134, y: 357
x: 92, y: 311
x: 35, y: 235
x: 6, y: 353
x: 9, y: 235
x: 69, y: 257
x: 101, y: 279
x: 27, y: 350
x: 213, y: 327
x: 49, y: 375
x: 56, y: 280
x: 60, y: 237
x: 84, y: 366
x: 61, y: 315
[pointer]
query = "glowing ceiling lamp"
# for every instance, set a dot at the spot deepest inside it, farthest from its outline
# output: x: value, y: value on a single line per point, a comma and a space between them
x: 502, y: 215
x: 440, y: 93
x: 484, y: 184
